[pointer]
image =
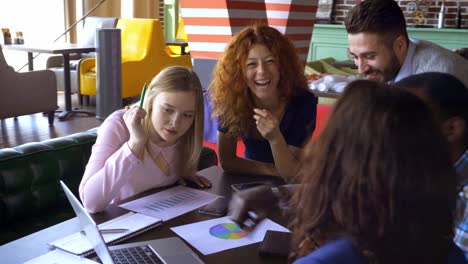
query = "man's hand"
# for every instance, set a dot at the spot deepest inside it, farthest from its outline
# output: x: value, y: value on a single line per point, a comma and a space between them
x: 247, y: 208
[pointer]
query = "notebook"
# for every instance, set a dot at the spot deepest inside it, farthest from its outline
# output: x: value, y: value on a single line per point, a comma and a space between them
x: 77, y: 243
x: 166, y: 250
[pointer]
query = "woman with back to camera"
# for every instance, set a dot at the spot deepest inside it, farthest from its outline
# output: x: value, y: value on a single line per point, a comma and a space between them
x: 260, y: 94
x: 142, y: 148
x: 378, y: 185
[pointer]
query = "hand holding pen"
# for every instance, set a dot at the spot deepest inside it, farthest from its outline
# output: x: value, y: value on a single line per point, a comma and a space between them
x: 133, y: 120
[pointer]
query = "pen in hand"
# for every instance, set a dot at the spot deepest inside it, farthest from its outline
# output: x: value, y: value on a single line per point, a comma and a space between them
x: 142, y: 98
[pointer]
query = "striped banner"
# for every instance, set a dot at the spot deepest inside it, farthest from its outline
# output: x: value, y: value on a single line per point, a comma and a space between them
x: 210, y: 24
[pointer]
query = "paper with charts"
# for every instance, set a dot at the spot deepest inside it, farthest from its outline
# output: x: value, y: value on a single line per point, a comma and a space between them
x: 170, y: 203
x: 221, y: 234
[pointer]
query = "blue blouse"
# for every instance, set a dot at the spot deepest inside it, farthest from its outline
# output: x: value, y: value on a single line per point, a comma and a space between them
x: 297, y: 126
x: 344, y: 251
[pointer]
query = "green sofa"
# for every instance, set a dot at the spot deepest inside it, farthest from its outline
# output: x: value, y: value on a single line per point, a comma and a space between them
x: 30, y: 195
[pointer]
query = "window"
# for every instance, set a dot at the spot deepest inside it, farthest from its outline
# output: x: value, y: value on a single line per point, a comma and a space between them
x: 40, y: 21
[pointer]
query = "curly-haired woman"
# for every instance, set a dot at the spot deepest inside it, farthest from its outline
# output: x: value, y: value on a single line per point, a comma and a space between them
x: 260, y: 94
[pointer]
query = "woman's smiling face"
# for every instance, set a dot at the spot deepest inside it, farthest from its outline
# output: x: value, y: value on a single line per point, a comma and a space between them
x: 262, y: 74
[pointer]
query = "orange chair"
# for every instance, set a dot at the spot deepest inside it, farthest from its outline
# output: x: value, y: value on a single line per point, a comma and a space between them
x: 144, y: 55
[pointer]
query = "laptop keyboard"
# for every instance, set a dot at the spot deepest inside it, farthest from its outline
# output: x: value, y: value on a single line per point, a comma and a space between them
x: 140, y: 254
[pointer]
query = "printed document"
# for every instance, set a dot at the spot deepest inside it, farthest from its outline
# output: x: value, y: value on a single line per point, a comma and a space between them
x: 170, y: 203
x: 220, y: 234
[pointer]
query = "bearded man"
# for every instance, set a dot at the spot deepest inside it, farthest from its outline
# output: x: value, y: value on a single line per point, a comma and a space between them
x: 382, y: 51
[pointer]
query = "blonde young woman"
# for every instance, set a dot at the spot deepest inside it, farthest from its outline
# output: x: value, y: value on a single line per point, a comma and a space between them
x: 142, y: 148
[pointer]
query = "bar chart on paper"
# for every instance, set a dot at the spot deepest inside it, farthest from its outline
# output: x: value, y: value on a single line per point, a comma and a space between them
x: 160, y: 206
x: 170, y: 203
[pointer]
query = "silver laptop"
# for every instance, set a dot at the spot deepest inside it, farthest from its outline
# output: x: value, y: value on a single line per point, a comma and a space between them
x: 166, y: 250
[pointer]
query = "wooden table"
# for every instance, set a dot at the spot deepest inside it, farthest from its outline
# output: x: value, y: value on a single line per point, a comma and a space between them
x: 35, y: 244
x: 56, y: 48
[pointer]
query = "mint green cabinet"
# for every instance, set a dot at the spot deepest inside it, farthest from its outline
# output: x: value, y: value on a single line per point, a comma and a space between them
x: 171, y: 18
x: 332, y: 40
x: 328, y: 41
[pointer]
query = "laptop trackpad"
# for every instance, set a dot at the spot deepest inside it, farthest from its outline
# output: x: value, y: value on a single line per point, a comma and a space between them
x: 174, y: 250
x: 183, y: 258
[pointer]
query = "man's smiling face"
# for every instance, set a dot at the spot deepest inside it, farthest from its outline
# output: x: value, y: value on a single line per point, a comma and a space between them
x: 374, y: 60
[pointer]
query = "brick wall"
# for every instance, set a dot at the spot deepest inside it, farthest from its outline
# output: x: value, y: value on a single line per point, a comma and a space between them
x: 427, y: 8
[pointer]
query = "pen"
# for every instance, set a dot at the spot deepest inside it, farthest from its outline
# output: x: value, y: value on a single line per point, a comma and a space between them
x: 113, y: 230
x: 109, y: 231
x: 142, y: 98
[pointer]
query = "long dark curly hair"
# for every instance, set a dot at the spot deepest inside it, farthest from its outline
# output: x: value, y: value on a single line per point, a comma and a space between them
x: 380, y: 174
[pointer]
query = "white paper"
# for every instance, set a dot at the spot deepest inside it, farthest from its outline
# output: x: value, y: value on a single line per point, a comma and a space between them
x: 58, y: 256
x: 221, y: 234
x: 170, y: 203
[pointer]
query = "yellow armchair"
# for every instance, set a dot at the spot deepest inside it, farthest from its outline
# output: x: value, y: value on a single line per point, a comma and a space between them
x: 143, y: 56
x: 181, y: 35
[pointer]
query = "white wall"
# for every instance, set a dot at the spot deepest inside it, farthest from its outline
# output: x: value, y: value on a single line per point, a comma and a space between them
x: 41, y: 21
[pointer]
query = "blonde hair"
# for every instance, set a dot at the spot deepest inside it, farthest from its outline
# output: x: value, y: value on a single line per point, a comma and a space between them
x: 179, y: 79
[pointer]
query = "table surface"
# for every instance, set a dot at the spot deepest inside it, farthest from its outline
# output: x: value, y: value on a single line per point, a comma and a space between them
x: 177, y: 42
x: 54, y: 48
x: 35, y: 244
x: 326, y: 94
x: 183, y: 44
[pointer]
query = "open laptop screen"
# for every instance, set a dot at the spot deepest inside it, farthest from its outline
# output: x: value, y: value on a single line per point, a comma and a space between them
x: 88, y: 225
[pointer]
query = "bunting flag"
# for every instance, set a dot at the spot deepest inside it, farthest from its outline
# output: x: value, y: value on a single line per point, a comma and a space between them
x: 210, y: 24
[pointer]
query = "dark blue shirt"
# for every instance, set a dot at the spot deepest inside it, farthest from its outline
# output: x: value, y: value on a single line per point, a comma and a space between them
x: 339, y: 251
x: 344, y: 251
x: 297, y: 126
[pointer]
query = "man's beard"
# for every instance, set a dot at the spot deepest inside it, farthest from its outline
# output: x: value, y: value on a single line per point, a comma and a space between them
x: 388, y: 73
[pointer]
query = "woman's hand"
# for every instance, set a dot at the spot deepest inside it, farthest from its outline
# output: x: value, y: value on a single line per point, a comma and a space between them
x: 197, y: 181
x: 267, y: 124
x: 133, y: 119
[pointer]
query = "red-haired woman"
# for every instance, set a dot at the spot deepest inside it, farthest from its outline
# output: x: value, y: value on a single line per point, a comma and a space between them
x: 260, y: 94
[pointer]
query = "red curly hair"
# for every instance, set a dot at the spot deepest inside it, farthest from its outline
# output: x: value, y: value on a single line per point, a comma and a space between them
x: 231, y: 98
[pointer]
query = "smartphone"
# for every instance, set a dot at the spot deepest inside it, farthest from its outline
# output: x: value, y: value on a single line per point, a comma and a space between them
x: 216, y: 208
x: 247, y: 185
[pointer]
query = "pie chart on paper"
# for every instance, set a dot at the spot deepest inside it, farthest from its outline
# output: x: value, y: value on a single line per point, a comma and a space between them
x: 227, y: 231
